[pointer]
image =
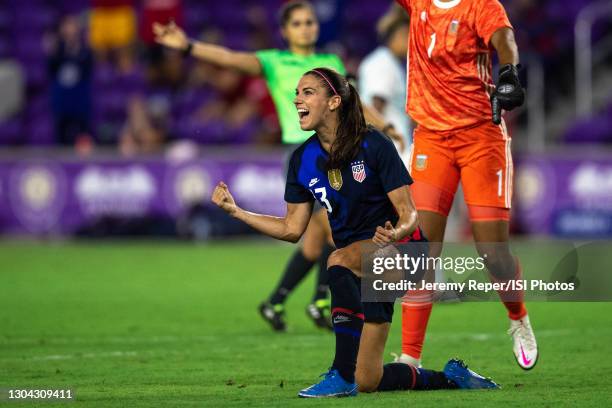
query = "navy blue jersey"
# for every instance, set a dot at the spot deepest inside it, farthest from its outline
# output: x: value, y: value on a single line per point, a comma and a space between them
x: 355, y: 196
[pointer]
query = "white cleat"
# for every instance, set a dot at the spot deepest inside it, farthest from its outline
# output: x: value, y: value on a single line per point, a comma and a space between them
x: 525, y: 346
x: 406, y: 359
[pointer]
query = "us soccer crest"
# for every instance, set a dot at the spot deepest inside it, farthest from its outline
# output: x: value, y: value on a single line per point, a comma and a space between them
x: 421, y: 162
x: 335, y: 179
x: 359, y: 173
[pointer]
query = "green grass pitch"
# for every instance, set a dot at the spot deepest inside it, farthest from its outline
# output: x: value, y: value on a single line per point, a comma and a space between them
x: 172, y: 324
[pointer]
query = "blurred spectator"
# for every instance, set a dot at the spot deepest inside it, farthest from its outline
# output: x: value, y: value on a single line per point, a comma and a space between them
x: 202, y: 73
x: 382, y: 74
x: 230, y: 106
x: 258, y: 95
x: 161, y: 65
x: 543, y: 29
x: 112, y: 31
x: 331, y: 16
x: 259, y: 36
x: 238, y: 100
x: 158, y: 11
x: 167, y: 70
x: 13, y: 88
x: 70, y: 68
x: 146, y: 127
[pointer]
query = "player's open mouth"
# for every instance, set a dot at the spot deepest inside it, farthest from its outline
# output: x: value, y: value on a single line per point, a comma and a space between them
x: 303, y: 112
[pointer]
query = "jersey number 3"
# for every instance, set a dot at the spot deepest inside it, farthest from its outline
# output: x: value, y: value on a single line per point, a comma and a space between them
x: 323, y: 198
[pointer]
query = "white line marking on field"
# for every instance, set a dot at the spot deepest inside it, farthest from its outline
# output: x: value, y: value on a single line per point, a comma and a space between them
x: 46, y: 341
x: 436, y: 337
x: 103, y: 354
x: 104, y: 340
x: 54, y: 357
x: 491, y: 336
x: 86, y: 355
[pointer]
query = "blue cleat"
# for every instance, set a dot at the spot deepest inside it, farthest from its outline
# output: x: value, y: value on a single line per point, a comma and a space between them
x: 458, y: 372
x: 333, y: 385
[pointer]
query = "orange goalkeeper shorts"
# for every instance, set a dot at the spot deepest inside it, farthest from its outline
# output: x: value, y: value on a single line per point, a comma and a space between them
x: 479, y: 157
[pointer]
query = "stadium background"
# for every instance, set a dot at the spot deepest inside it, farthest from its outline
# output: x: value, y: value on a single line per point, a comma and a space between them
x: 128, y: 141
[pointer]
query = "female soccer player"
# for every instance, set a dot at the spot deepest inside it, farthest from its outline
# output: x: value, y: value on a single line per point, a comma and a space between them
x: 357, y: 175
x: 461, y: 137
x: 282, y: 69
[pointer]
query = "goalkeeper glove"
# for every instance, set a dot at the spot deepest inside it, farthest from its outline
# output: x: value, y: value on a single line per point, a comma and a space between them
x: 508, y: 92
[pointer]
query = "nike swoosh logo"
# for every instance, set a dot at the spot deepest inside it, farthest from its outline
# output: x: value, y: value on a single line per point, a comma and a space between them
x: 526, y: 361
x: 313, y: 182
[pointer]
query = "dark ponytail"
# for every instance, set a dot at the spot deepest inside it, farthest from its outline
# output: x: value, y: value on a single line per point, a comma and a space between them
x: 351, y: 120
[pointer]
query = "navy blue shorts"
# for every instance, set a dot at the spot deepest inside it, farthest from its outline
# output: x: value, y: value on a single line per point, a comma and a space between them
x: 378, y: 312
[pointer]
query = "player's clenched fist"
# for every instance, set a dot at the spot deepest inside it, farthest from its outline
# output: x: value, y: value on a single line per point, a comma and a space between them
x: 385, y: 236
x: 170, y: 35
x: 223, y: 198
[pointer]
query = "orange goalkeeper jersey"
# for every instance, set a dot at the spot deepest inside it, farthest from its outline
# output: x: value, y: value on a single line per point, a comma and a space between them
x: 449, y: 61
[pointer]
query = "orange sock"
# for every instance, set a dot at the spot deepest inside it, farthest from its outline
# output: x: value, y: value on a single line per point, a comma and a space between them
x: 516, y: 310
x: 513, y: 300
x: 416, y: 310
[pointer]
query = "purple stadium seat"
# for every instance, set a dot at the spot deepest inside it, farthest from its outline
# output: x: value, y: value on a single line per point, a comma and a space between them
x: 196, y: 20
x: 597, y: 129
x: 39, y: 103
x: 110, y: 104
x: 243, y: 134
x: 236, y: 39
x: 36, y: 74
x: 39, y: 130
x: 230, y: 13
x: 186, y: 102
x: 103, y: 75
x: 11, y: 131
x: 6, y: 48
x: 34, y: 18
x: 198, y: 132
x: 73, y: 6
x: 5, y: 17
x: 131, y: 82
x: 366, y: 11
x: 29, y: 47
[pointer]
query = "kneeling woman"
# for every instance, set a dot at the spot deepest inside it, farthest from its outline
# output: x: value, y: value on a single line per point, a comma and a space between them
x: 356, y: 174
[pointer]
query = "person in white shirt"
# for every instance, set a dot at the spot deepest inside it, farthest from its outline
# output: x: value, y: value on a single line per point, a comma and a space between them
x: 382, y: 74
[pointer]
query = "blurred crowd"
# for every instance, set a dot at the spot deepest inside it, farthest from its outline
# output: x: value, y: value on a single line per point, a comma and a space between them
x: 88, y: 73
x: 94, y: 76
